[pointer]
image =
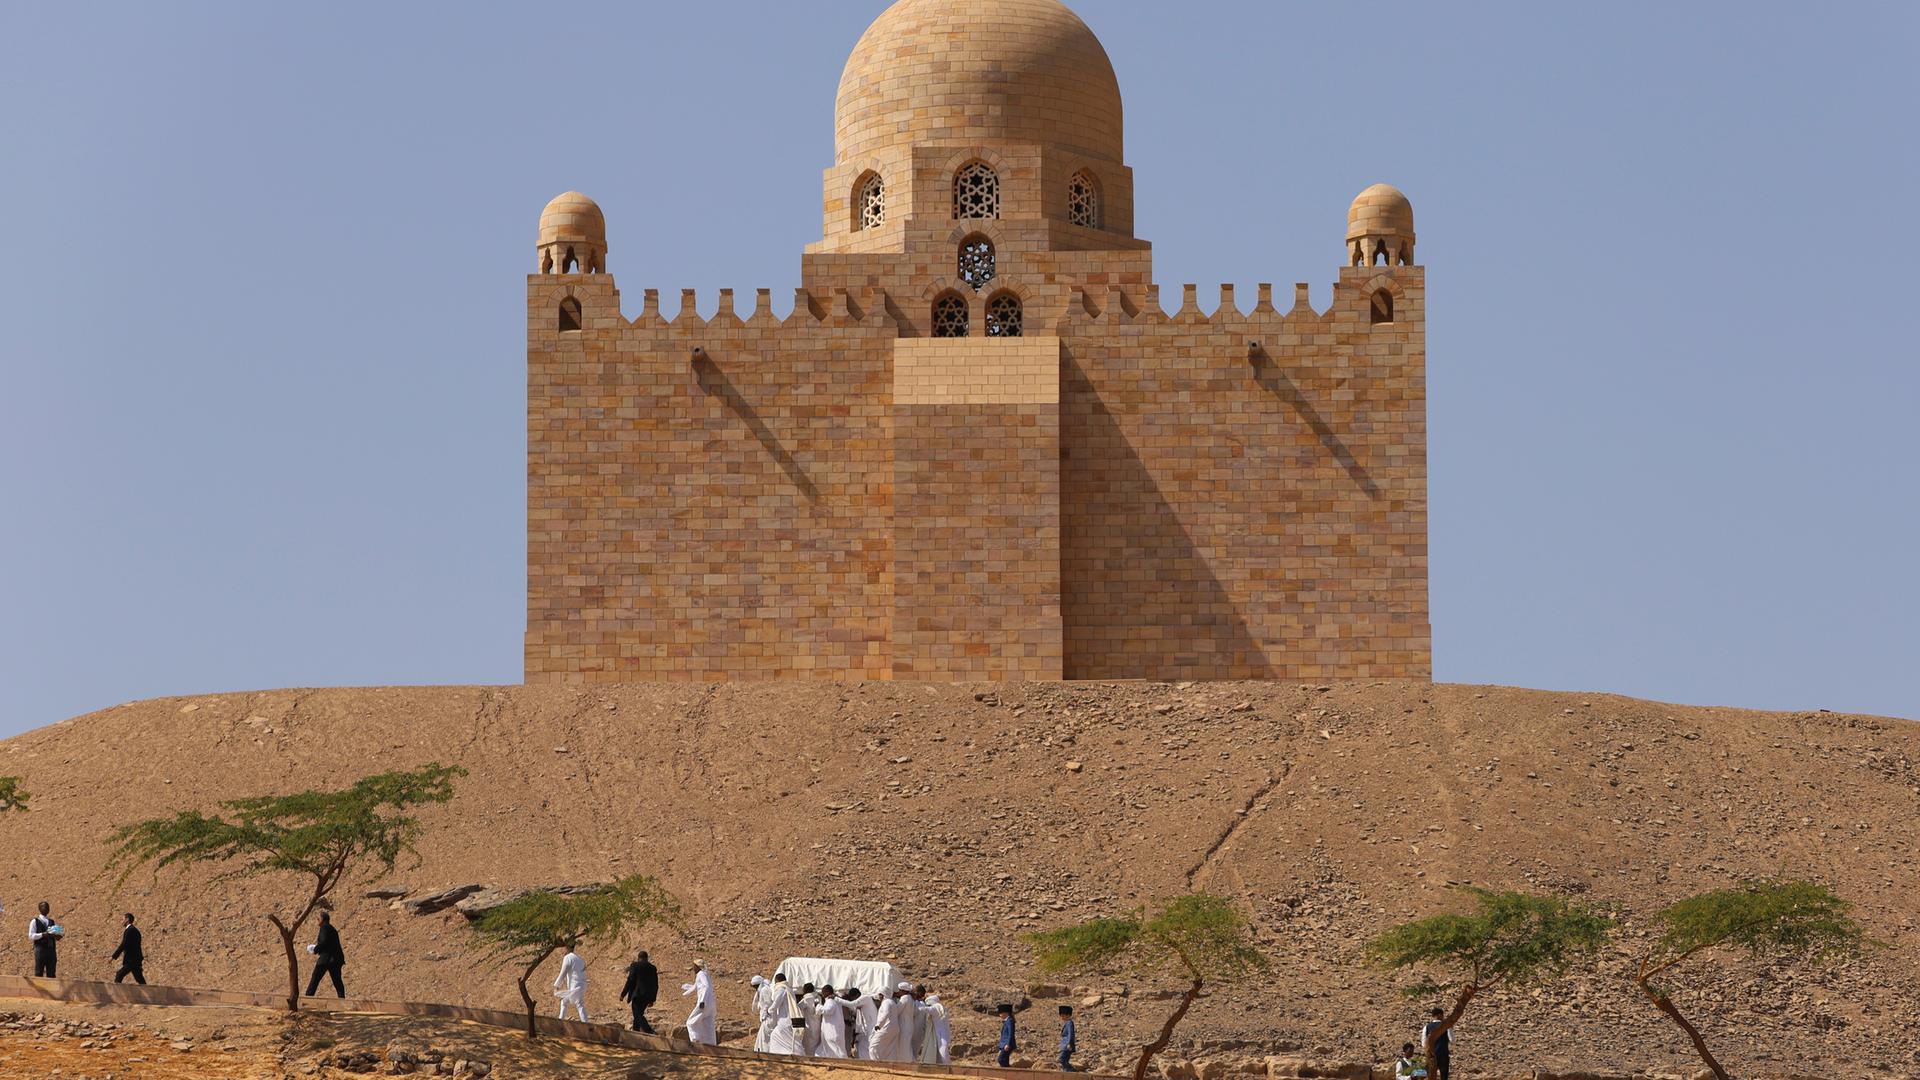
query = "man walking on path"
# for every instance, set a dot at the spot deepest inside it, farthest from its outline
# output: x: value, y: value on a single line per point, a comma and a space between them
x: 702, y: 1022
x: 1068, y: 1044
x: 1008, y: 1043
x: 1437, y: 1038
x: 45, y: 935
x: 643, y: 985
x: 328, y: 957
x: 570, y: 985
x: 129, y: 954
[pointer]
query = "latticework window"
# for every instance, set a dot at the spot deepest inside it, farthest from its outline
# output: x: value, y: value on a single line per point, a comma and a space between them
x: 976, y: 192
x: 1083, y: 200
x: 1003, y: 316
x: 873, y: 202
x: 976, y: 261
x: 950, y: 316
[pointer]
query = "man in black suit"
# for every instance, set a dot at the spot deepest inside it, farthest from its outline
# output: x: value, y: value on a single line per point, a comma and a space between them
x: 643, y: 985
x: 328, y: 957
x: 129, y: 954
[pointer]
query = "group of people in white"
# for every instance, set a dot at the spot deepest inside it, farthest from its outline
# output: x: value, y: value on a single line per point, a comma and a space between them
x: 904, y: 1023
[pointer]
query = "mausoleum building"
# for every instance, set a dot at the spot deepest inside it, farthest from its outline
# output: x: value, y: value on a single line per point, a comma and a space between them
x: 982, y: 445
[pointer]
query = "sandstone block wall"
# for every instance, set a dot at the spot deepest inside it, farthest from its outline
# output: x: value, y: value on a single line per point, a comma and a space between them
x: 976, y: 512
x: 1124, y: 491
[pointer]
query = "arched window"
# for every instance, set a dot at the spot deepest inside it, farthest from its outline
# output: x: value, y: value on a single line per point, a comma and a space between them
x: 870, y: 203
x: 976, y: 261
x: 1083, y: 200
x: 950, y: 316
x: 569, y: 313
x: 569, y: 264
x: 1003, y: 315
x: 546, y: 260
x: 976, y: 192
x: 1382, y: 308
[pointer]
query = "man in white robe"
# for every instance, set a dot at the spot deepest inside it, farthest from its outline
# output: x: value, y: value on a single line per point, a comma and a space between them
x: 762, y: 997
x: 810, y: 1010
x: 783, y: 1038
x: 701, y: 1022
x: 570, y: 985
x: 939, y: 1046
x: 866, y: 1014
x: 920, y: 1022
x: 893, y: 1029
x: 832, y: 1015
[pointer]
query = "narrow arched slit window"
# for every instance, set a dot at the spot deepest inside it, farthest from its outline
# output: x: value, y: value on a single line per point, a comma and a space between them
x: 976, y: 266
x: 569, y: 314
x: 950, y: 316
x: 870, y: 203
x: 1003, y: 315
x: 1382, y: 307
x: 976, y: 192
x: 1083, y: 200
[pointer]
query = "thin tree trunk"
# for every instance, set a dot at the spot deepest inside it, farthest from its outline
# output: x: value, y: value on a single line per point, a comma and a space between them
x: 1665, y: 1005
x: 1446, y: 1024
x: 1166, y: 1031
x: 532, y: 1032
x: 293, y: 962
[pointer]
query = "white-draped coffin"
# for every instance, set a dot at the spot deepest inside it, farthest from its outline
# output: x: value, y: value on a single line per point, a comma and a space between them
x: 867, y: 976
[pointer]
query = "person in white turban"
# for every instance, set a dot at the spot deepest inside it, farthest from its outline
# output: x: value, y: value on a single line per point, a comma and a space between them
x: 762, y: 997
x: 893, y: 1029
x: 570, y: 985
x: 939, y: 1045
x: 701, y: 1022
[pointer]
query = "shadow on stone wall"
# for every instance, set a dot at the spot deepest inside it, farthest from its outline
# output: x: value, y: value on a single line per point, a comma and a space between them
x: 714, y: 382
x: 1134, y: 587
x: 1267, y: 372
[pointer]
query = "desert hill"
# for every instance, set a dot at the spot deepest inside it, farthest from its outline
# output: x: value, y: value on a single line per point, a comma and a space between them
x: 932, y: 824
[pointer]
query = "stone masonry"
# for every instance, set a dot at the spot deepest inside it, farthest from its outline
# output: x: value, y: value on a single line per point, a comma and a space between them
x: 980, y: 446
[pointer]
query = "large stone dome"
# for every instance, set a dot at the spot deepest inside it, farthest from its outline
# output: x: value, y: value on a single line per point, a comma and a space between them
x: 986, y: 71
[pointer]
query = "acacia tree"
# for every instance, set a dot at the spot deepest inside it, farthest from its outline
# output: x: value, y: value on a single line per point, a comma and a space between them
x: 1513, y: 937
x: 324, y: 836
x: 1771, y: 918
x: 530, y: 928
x: 12, y: 796
x: 1201, y: 935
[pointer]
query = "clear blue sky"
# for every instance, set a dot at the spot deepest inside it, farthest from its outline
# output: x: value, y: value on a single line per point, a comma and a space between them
x: 261, y: 309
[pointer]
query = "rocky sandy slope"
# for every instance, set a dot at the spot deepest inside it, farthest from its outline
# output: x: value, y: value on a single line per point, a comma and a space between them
x: 932, y: 824
x: 176, y: 1043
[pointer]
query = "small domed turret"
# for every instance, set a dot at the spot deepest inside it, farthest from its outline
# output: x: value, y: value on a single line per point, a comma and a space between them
x: 1380, y: 228
x: 573, y: 236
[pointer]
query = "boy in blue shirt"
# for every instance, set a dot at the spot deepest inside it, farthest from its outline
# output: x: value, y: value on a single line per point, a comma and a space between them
x: 1067, y: 1043
x: 1008, y: 1044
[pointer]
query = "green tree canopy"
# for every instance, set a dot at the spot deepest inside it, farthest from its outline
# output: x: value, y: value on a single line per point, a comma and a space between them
x: 322, y: 836
x: 1510, y: 937
x: 530, y: 928
x: 1772, y: 919
x: 1204, y: 937
x: 12, y: 795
